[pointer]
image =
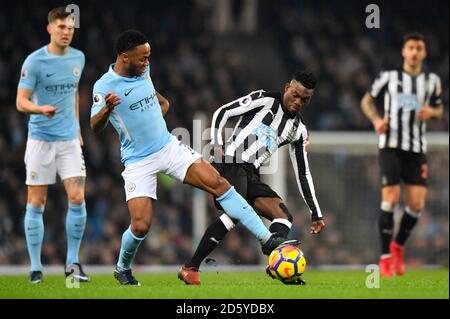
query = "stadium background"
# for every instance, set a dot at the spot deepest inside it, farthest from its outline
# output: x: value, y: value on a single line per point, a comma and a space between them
x: 204, y: 54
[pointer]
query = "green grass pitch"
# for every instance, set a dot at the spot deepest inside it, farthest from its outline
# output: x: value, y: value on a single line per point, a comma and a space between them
x: 321, y: 284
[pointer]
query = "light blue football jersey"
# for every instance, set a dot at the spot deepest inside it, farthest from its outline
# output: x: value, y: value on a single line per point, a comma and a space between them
x: 138, y: 118
x: 54, y: 81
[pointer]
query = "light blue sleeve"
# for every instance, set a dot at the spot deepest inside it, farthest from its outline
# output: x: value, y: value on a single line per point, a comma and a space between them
x: 29, y: 74
x: 83, y: 61
x: 98, y: 98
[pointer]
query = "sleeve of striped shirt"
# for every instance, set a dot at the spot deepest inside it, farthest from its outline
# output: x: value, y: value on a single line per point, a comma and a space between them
x: 249, y: 103
x: 436, y: 96
x: 380, y: 82
x: 305, y: 183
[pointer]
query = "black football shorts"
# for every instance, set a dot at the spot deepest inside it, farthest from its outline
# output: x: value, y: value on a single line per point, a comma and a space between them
x: 397, y: 165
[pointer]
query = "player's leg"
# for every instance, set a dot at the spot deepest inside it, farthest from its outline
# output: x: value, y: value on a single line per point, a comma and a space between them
x: 140, y: 190
x: 141, y: 212
x: 186, y: 165
x: 75, y: 224
x: 40, y: 172
x: 71, y: 168
x: 415, y: 198
x: 217, y: 230
x: 202, y: 175
x: 414, y: 174
x: 276, y: 211
x: 34, y: 228
x: 390, y: 168
x: 212, y: 237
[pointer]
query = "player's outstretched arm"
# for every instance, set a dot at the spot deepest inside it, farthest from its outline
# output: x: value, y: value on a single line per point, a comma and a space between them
x: 305, y: 183
x: 99, y: 120
x: 163, y: 102
x: 24, y: 104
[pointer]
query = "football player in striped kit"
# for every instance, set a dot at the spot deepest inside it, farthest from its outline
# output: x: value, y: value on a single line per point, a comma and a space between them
x: 412, y: 96
x: 266, y: 122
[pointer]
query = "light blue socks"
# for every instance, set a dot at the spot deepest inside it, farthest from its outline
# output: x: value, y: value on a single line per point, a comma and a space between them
x: 128, y: 248
x: 34, y: 234
x: 236, y: 207
x: 75, y: 224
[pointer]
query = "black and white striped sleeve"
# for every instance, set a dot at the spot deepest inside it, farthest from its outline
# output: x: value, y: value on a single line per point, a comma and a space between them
x: 379, y: 84
x: 436, y: 96
x: 305, y: 184
x: 252, y: 102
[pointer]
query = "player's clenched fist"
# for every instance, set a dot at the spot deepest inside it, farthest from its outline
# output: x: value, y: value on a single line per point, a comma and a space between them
x: 48, y: 110
x: 112, y: 100
x: 380, y: 125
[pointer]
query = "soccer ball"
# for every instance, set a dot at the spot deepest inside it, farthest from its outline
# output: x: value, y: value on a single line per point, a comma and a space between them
x: 286, y: 263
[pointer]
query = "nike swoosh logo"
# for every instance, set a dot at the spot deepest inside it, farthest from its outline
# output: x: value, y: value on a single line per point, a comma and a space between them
x: 49, y: 75
x: 126, y: 93
x: 214, y: 240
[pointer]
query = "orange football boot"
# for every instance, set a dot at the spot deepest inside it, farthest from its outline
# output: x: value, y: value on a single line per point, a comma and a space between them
x: 398, y: 262
x: 189, y: 275
x: 386, y: 266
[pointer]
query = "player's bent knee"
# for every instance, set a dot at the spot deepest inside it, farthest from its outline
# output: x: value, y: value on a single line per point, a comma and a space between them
x: 38, y: 201
x: 221, y: 186
x: 416, y: 207
x: 140, y: 228
x: 76, y: 199
x: 285, y: 210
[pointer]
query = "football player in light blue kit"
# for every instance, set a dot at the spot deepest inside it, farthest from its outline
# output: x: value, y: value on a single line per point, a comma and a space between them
x: 126, y: 97
x: 48, y: 91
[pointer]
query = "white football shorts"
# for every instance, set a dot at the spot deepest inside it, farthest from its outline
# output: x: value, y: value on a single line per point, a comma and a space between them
x: 173, y: 159
x: 43, y: 160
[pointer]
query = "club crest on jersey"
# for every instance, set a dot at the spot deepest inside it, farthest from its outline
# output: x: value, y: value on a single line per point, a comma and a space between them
x: 131, y: 187
x: 97, y: 99
x: 76, y: 71
x: 24, y: 74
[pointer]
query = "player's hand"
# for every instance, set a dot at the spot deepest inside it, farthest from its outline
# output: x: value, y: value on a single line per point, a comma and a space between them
x: 380, y: 125
x: 317, y: 226
x: 48, y: 110
x: 111, y: 101
x: 425, y: 113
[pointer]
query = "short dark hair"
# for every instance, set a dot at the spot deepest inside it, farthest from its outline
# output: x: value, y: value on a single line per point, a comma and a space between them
x: 306, y: 78
x: 57, y: 13
x: 128, y: 40
x: 413, y: 36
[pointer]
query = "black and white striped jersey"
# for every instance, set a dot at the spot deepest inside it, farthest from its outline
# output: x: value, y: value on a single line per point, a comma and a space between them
x: 264, y: 126
x: 403, y: 95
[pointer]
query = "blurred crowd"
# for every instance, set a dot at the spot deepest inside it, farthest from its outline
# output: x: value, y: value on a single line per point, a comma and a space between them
x: 191, y: 70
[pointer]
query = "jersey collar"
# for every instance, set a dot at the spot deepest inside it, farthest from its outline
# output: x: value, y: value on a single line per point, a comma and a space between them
x: 132, y: 79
